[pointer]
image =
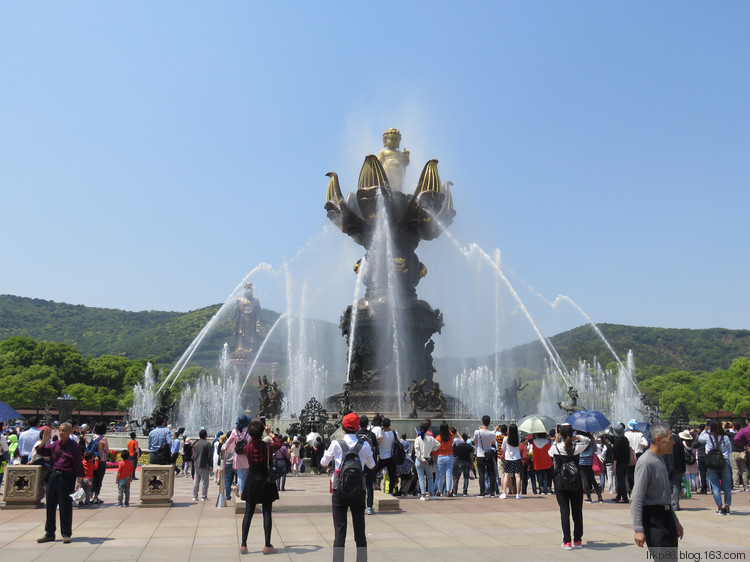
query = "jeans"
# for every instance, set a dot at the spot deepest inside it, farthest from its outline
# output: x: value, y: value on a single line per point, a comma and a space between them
x: 702, y: 470
x: 693, y: 480
x: 123, y: 489
x: 725, y: 476
x: 486, y: 466
x: 444, y: 482
x: 424, y: 473
x: 228, y: 479
x: 461, y: 468
x: 369, y: 485
x: 241, y: 477
x: 281, y: 482
x: 544, y: 479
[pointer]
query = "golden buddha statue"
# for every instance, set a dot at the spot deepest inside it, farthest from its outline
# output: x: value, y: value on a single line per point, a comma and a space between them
x: 394, y: 161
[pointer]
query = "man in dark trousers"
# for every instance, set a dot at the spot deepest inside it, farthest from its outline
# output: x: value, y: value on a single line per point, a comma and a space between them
x: 654, y: 521
x: 369, y: 436
x: 202, y: 458
x: 67, y: 465
x: 341, y: 504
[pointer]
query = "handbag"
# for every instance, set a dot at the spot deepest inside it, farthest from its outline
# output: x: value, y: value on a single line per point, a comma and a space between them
x: 596, y: 464
x: 632, y: 457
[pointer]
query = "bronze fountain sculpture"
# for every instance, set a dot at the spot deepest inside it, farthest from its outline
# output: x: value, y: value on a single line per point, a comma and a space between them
x: 388, y: 331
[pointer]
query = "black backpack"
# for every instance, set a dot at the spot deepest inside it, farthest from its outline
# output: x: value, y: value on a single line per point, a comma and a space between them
x: 397, y: 451
x: 349, y: 483
x: 567, y: 474
x: 714, y: 458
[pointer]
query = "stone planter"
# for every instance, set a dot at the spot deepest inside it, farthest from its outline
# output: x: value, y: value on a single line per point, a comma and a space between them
x: 157, y: 485
x: 24, y: 486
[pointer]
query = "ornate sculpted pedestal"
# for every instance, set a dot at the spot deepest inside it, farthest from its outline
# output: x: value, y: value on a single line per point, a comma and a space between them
x: 24, y: 486
x: 157, y: 485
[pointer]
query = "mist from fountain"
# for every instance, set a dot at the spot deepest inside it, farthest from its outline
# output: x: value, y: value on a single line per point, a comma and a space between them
x: 610, y: 392
x: 213, y: 401
x: 144, y: 397
x: 478, y: 392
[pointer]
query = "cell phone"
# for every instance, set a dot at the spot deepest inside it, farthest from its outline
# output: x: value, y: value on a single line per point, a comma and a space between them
x: 263, y: 420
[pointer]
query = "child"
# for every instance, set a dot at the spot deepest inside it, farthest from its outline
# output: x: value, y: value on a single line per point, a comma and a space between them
x: 90, y: 464
x: 124, y: 474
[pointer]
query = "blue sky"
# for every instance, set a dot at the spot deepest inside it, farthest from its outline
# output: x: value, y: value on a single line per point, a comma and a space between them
x: 152, y: 154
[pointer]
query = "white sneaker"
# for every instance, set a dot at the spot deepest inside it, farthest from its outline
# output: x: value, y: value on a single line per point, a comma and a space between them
x: 519, y: 496
x: 425, y: 498
x: 195, y: 499
x: 503, y: 496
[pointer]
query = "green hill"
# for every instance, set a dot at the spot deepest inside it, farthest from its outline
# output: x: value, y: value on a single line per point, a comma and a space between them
x: 163, y: 336
x: 655, y: 349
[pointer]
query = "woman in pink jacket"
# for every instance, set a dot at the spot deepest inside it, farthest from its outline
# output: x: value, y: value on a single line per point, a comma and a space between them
x: 240, y: 463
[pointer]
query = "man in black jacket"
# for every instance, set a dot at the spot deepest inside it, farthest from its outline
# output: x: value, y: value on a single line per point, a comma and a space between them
x: 676, y: 466
x: 621, y: 460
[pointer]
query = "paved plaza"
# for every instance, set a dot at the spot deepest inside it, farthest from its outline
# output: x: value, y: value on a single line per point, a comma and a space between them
x: 441, y: 529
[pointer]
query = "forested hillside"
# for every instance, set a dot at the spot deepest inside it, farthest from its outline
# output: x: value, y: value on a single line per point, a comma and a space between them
x: 98, y: 354
x: 656, y: 349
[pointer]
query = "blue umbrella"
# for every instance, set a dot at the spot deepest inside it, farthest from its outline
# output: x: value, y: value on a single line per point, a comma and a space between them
x: 588, y: 421
x: 8, y: 413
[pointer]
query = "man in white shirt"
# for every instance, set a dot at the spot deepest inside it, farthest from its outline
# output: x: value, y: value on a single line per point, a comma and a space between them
x: 386, y: 438
x: 339, y: 503
x: 483, y: 441
x: 27, y: 439
x: 638, y: 443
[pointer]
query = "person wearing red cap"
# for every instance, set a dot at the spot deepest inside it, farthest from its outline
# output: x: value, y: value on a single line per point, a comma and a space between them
x: 339, y: 504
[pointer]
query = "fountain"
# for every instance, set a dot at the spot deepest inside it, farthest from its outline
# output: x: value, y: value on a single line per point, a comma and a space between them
x: 388, y: 330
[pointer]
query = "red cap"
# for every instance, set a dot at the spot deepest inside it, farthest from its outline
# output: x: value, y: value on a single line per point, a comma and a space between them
x: 351, y: 422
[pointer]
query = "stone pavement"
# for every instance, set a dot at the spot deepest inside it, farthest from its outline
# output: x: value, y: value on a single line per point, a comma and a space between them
x: 442, y: 529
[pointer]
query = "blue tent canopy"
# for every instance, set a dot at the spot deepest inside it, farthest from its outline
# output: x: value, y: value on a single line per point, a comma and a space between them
x: 8, y: 413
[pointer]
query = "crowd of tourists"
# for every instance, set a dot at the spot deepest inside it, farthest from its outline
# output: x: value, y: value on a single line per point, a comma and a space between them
x: 650, y: 467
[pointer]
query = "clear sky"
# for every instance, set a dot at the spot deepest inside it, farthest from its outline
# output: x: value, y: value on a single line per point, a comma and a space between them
x: 153, y: 153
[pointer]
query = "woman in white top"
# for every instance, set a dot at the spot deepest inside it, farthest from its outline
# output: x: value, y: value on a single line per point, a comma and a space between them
x: 567, y: 449
x: 424, y: 445
x: 513, y: 461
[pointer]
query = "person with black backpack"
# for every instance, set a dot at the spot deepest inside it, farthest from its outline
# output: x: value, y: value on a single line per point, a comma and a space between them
x: 350, y: 456
x: 566, y: 452
x: 718, y: 448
